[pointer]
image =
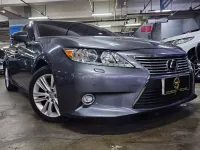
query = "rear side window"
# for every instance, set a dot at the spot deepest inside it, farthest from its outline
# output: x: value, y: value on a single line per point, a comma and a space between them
x: 51, y: 30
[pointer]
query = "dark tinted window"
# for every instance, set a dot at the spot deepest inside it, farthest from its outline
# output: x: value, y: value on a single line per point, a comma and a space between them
x: 70, y: 29
x: 30, y: 31
x: 88, y: 30
x: 51, y: 30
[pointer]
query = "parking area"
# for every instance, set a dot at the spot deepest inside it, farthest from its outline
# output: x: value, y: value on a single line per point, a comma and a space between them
x: 174, y: 129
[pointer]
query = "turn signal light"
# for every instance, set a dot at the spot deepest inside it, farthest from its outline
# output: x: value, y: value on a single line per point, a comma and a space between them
x: 69, y: 53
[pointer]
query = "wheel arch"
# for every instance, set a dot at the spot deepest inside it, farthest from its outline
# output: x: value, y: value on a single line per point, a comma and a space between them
x: 191, y: 52
x: 40, y: 62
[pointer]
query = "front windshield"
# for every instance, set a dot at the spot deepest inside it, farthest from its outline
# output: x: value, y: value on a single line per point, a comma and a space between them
x: 71, y: 29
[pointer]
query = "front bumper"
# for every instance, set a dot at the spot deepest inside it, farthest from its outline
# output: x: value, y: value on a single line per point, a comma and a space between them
x: 116, y: 90
x: 108, y: 111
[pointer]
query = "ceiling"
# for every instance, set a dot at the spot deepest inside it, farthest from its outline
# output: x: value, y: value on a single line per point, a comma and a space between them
x: 135, y: 11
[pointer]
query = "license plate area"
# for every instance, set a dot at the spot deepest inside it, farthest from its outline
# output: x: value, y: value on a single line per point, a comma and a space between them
x: 175, y: 84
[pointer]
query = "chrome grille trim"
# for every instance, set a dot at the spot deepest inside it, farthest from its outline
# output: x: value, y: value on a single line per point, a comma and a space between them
x: 158, y: 65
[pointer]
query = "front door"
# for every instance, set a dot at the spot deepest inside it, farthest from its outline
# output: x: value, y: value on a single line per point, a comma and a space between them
x: 21, y: 63
x: 24, y: 60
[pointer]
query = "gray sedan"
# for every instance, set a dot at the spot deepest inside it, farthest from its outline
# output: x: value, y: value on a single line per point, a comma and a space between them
x: 75, y: 69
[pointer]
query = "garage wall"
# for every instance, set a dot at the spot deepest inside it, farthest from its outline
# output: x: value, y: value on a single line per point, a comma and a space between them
x: 3, y: 18
x: 175, y: 27
x: 156, y: 32
x: 189, y: 24
x: 171, y: 28
x: 4, y: 35
x: 16, y: 24
x: 198, y: 21
x: 144, y: 35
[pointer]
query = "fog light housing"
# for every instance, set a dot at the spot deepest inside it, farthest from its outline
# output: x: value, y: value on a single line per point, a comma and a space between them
x: 88, y: 99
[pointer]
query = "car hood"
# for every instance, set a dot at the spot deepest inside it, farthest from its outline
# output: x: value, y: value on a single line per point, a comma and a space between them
x: 114, y: 43
x: 186, y: 35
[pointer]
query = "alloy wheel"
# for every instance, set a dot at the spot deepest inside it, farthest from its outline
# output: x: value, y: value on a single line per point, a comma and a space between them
x: 45, y: 96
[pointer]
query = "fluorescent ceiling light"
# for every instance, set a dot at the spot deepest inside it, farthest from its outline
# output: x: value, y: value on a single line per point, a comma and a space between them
x: 132, y: 24
x: 103, y: 14
x: 43, y: 17
x: 166, y: 10
x: 157, y: 11
x: 105, y: 26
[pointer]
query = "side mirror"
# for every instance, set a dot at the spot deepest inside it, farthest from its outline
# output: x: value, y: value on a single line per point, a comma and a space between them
x: 20, y: 36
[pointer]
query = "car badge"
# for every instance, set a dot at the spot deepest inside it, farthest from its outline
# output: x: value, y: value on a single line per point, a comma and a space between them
x: 176, y: 83
x: 172, y: 65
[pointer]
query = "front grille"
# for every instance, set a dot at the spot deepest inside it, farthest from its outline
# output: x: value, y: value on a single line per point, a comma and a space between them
x: 158, y: 65
x: 154, y: 98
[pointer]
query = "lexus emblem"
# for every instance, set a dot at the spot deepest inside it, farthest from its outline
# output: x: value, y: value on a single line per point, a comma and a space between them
x: 172, y: 64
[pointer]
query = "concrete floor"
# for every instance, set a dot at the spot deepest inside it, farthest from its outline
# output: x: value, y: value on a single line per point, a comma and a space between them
x: 20, y: 128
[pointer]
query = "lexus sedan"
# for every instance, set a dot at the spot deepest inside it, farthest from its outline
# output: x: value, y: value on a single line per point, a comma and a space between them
x: 72, y: 69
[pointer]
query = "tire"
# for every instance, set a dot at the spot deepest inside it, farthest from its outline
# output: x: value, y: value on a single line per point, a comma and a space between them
x: 9, y: 85
x: 193, y: 60
x: 43, y: 96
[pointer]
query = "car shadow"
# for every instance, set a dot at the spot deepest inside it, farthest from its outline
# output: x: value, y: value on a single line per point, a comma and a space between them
x: 129, y: 124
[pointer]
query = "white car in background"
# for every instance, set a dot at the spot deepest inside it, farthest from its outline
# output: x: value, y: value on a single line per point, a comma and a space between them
x: 188, y: 42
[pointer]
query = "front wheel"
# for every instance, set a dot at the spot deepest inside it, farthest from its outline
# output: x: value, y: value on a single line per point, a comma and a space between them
x: 43, y: 95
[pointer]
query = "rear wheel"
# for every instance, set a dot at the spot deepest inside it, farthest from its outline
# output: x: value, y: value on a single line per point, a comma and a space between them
x: 43, y: 95
x: 8, y: 83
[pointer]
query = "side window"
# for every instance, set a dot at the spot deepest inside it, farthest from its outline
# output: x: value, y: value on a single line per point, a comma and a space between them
x: 51, y: 30
x: 76, y: 29
x: 30, y: 32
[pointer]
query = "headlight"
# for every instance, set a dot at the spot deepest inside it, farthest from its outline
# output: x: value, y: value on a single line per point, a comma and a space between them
x: 92, y: 56
x: 181, y: 41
